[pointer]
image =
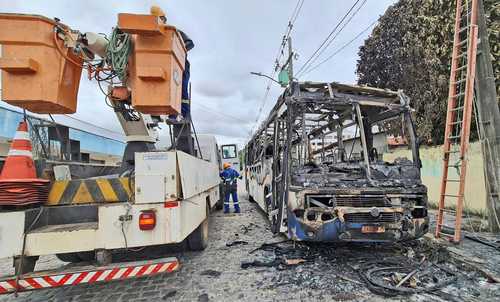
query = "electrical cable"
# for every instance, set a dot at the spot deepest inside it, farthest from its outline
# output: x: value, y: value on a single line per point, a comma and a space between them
x: 23, y: 250
x: 59, y: 136
x: 206, y: 109
x: 174, y: 146
x: 130, y: 202
x: 61, y: 52
x: 117, y: 52
x: 196, y: 138
x: 286, y: 36
x: 340, y: 49
x: 333, y: 38
x: 328, y: 37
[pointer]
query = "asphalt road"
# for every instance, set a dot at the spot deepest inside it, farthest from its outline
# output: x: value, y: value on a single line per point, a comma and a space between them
x: 216, y: 273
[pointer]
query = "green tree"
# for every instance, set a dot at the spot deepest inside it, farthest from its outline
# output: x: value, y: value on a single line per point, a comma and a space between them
x: 410, y: 49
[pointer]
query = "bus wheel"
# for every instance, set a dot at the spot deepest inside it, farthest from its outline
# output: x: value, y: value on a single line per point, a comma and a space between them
x: 198, y: 239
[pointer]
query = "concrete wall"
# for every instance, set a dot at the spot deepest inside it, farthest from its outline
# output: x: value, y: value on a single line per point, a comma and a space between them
x: 432, y: 165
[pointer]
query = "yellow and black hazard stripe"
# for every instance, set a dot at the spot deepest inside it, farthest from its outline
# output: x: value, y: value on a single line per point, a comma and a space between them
x: 96, y: 190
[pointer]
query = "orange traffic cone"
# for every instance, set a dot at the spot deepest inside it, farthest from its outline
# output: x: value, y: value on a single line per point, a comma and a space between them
x: 19, y: 163
x: 18, y: 182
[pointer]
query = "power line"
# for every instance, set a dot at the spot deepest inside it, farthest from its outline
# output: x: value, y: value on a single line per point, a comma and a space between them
x: 341, y: 48
x: 279, y: 55
x: 206, y: 109
x: 328, y: 37
x: 306, y: 70
x: 288, y: 31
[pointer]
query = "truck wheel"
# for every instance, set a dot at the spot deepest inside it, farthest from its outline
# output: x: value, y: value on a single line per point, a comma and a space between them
x: 69, y: 257
x: 198, y: 239
x: 86, y: 256
x: 28, y: 264
x: 220, y: 203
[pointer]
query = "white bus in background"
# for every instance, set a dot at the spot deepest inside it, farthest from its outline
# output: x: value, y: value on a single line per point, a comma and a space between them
x: 229, y: 154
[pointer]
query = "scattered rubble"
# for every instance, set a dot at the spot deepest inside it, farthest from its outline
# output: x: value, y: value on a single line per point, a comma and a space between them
x: 236, y: 242
x: 211, y: 273
x: 386, y: 270
x: 203, y: 298
x: 170, y: 294
x: 250, y: 227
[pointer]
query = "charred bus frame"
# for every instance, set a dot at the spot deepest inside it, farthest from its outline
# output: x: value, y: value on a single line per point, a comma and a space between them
x: 325, y: 194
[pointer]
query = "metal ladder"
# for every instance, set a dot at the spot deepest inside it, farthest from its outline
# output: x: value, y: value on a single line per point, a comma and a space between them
x: 458, y: 120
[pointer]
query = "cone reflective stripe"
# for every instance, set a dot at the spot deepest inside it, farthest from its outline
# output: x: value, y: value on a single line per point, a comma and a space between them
x: 14, y: 152
x: 19, y: 184
x: 22, y: 135
x: 19, y: 163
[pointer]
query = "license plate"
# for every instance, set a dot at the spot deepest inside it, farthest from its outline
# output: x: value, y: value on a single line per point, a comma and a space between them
x: 372, y: 229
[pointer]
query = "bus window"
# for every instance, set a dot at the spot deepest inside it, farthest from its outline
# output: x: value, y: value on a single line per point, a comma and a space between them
x: 229, y: 151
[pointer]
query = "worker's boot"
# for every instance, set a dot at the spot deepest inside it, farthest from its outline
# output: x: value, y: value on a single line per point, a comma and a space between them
x: 226, y: 207
x: 237, y: 208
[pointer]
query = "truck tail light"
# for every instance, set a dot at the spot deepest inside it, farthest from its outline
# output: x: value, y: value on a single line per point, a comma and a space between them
x: 171, y: 204
x: 147, y: 220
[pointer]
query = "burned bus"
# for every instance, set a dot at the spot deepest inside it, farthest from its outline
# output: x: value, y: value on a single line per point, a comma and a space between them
x: 315, y: 168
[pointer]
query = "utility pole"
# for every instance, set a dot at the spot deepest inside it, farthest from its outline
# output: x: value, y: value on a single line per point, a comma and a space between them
x: 290, y: 59
x: 489, y: 122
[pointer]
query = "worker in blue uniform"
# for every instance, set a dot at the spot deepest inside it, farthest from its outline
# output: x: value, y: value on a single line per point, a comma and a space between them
x: 229, y: 177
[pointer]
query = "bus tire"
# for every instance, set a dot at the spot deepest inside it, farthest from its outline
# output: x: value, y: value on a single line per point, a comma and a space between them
x: 198, y: 239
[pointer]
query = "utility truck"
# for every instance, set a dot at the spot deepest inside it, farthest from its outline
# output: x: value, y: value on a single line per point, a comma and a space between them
x: 160, y: 197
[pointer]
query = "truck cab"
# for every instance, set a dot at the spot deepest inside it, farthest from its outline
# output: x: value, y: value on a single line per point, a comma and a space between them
x: 229, y: 154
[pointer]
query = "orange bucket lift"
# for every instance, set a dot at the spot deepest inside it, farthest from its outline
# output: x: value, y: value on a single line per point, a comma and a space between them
x: 39, y: 74
x: 19, y: 184
x: 156, y: 64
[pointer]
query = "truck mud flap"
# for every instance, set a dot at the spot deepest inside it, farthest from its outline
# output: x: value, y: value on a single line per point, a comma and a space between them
x: 88, y: 275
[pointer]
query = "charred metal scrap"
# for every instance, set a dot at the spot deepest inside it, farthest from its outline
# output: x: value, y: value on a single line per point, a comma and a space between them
x: 391, y: 278
x: 391, y: 271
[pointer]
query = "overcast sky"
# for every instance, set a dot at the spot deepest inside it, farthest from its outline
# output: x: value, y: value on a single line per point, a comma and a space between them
x: 232, y: 39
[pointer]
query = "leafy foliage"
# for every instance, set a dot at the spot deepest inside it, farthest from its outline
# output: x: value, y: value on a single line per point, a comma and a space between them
x: 410, y: 49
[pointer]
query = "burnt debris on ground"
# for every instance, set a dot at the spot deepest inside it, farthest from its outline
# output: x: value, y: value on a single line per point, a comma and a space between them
x: 386, y: 270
